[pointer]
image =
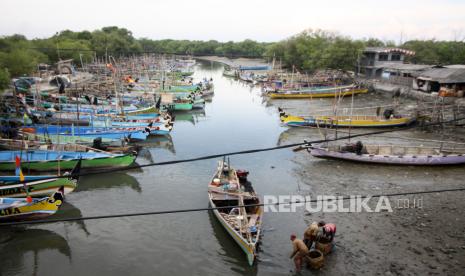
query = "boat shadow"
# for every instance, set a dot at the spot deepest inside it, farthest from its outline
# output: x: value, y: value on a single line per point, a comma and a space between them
x: 191, y: 116
x: 108, y: 181
x: 68, y: 210
x: 17, y: 242
x: 162, y: 142
x: 232, y: 253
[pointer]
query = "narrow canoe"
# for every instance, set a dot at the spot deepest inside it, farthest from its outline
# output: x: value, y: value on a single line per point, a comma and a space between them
x: 18, y: 209
x: 316, y: 94
x: 392, y: 154
x: 38, y: 188
x: 151, y: 109
x: 346, y: 121
x: 42, y: 160
x: 243, y: 224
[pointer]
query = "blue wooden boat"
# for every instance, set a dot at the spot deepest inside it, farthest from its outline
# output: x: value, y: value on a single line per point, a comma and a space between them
x: 14, y: 178
x: 255, y: 68
x: 134, y: 134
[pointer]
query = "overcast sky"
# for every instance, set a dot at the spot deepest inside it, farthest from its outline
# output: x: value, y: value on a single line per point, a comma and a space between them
x: 238, y: 19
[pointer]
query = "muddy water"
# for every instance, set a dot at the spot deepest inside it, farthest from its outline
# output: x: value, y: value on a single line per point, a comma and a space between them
x: 237, y: 118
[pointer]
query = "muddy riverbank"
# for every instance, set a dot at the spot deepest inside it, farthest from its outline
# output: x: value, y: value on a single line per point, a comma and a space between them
x: 414, y: 241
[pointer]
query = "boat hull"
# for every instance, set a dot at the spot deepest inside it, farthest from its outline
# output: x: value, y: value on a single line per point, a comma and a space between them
x: 248, y: 249
x: 53, y: 165
x: 39, y: 188
x: 39, y: 209
x: 411, y: 160
x: 309, y: 95
x: 294, y: 121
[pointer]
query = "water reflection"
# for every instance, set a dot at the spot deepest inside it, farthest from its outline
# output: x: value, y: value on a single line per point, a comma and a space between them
x: 108, y: 181
x: 16, y: 242
x: 68, y: 210
x: 231, y: 252
x: 162, y: 142
x: 193, y: 116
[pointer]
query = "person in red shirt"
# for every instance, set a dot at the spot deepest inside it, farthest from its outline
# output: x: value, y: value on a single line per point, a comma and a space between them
x: 329, y: 231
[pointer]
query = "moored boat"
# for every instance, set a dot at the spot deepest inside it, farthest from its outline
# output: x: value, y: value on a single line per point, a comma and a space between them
x: 35, y: 188
x: 320, y: 92
x: 19, y: 209
x: 226, y: 194
x: 390, y: 154
x: 367, y: 121
x: 43, y: 160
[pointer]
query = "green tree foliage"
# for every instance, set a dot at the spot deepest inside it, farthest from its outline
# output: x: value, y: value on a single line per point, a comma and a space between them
x: 436, y: 52
x: 17, y: 56
x: 307, y: 51
x: 4, y: 78
x: 114, y: 40
x: 317, y: 49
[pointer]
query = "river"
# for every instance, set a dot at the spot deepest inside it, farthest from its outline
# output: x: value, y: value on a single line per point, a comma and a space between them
x: 194, y: 243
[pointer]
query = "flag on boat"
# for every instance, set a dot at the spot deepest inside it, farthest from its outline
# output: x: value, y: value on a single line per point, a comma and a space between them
x: 19, y: 173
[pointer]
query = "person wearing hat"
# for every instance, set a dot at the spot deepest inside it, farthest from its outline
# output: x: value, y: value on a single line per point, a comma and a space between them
x: 321, y: 231
x: 311, y: 234
x: 300, y: 250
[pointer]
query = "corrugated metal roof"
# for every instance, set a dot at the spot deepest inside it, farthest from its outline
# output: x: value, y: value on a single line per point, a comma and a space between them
x: 388, y: 50
x: 455, y: 66
x: 403, y: 66
x: 444, y: 75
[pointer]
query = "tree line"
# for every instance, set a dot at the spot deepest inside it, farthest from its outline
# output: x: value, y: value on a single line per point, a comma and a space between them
x: 307, y: 51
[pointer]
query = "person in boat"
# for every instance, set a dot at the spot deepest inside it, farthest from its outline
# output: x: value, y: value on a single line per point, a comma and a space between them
x: 319, y: 232
x: 299, y: 252
x: 357, y: 148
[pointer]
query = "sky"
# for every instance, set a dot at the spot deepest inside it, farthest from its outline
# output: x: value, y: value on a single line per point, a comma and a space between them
x: 236, y: 20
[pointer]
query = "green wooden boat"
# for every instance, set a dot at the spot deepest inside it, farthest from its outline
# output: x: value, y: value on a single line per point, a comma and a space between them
x: 38, y: 188
x: 42, y: 160
x: 64, y: 139
x: 177, y: 106
x: 151, y: 109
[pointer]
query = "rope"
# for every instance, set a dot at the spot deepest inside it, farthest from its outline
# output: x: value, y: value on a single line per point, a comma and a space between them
x: 214, y: 156
x: 216, y: 208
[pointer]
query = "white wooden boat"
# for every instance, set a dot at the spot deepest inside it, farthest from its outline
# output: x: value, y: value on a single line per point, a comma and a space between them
x: 391, y: 154
x: 243, y: 224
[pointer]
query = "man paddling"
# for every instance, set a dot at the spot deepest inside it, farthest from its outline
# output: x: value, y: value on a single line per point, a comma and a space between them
x: 300, y: 250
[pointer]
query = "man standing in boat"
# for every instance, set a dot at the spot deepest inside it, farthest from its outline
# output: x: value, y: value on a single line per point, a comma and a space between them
x: 300, y: 250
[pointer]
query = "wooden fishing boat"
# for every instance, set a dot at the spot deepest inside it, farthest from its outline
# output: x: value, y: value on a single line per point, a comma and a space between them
x: 97, y: 144
x: 35, y: 188
x: 130, y: 132
x: 19, y: 209
x: 43, y: 160
x: 226, y: 192
x: 325, y: 92
x: 111, y: 133
x: 391, y: 154
x: 150, y: 109
x: 181, y: 105
x: 65, y: 139
x: 368, y: 121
